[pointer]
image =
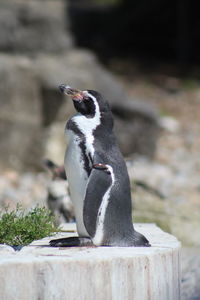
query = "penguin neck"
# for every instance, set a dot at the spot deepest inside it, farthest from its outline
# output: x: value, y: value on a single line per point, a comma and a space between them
x: 87, y: 126
x: 107, y: 121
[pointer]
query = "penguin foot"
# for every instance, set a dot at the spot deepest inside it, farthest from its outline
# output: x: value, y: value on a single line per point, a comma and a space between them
x: 140, y: 240
x: 71, y: 242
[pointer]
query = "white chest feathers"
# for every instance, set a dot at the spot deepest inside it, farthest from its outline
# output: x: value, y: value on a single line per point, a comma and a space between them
x: 77, y: 178
x: 88, y: 125
x: 74, y: 161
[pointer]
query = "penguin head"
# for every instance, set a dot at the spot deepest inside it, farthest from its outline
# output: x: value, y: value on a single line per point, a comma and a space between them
x: 89, y: 103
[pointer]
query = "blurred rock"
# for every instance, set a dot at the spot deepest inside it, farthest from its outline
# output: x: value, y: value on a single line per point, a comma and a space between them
x: 136, y: 126
x: 40, y: 55
x: 170, y: 124
x: 175, y: 207
x: 136, y: 122
x: 190, y: 270
x: 28, y: 27
x: 79, y: 68
x: 32, y: 106
x: 27, y: 189
x: 20, y: 113
x: 55, y: 142
x: 33, y: 26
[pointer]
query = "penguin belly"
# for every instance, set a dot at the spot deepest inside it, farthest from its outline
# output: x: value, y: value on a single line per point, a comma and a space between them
x: 77, y: 178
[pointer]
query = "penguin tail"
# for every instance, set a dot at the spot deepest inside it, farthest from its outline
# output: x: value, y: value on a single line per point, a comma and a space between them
x: 140, y: 240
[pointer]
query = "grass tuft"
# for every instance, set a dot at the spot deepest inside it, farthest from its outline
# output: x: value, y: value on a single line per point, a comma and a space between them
x: 20, y: 228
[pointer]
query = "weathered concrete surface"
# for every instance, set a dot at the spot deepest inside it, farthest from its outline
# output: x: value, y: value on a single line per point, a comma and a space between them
x: 41, y: 272
x: 190, y: 270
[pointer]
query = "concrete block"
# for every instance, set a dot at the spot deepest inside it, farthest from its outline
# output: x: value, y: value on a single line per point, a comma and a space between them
x: 41, y: 272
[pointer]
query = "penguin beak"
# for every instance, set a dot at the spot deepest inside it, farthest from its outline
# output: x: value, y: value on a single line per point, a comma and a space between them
x: 73, y: 93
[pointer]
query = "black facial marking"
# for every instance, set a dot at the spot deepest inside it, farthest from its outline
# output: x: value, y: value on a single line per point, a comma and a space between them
x: 86, y: 159
x: 86, y: 107
x: 102, y: 102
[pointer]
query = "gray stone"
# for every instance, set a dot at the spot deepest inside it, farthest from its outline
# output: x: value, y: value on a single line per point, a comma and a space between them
x: 42, y: 272
x: 136, y: 123
x: 20, y: 113
x: 168, y: 194
x: 33, y: 26
x: 33, y: 111
x: 27, y: 189
x: 169, y: 124
x: 136, y: 126
x: 190, y: 270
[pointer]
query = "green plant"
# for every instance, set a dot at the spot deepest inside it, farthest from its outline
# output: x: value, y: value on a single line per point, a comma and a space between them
x: 20, y: 228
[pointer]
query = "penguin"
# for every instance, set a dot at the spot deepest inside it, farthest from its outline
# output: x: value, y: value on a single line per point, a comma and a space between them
x: 98, y: 178
x: 58, y: 199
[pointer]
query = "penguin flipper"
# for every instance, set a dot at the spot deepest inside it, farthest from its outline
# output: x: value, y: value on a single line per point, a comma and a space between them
x: 71, y: 242
x: 98, y: 183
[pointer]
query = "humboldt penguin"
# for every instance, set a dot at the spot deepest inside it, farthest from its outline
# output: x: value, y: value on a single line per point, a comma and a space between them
x: 97, y: 174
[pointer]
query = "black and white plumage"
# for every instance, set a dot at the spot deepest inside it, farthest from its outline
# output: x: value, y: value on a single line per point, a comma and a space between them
x: 97, y: 175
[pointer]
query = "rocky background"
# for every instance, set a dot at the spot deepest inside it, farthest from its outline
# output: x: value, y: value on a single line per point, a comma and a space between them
x: 156, y: 121
x: 38, y: 54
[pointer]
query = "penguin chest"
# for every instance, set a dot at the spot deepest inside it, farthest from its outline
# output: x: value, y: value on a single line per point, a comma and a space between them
x: 77, y: 168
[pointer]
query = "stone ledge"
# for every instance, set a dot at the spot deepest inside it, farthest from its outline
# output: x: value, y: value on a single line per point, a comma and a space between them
x: 41, y: 272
